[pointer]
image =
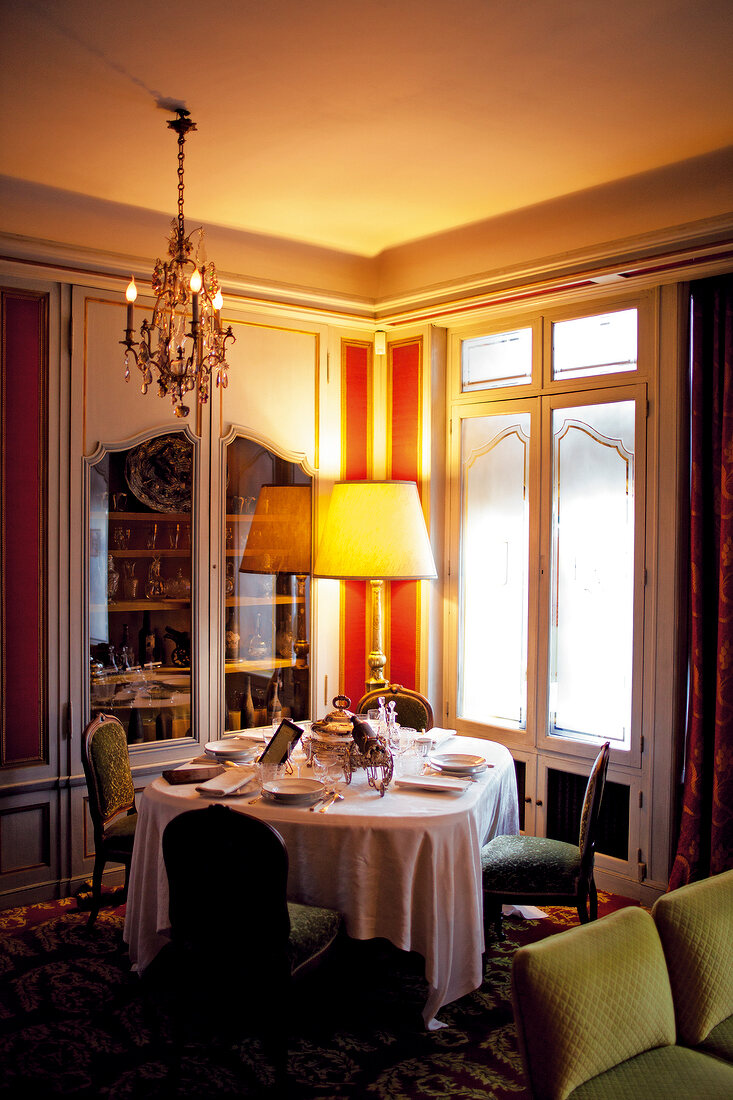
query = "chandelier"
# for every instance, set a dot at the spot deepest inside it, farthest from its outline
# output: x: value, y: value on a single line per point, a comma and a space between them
x: 185, y: 285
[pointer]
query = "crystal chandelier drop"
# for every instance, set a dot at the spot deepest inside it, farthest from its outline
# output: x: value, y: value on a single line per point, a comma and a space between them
x: 187, y: 292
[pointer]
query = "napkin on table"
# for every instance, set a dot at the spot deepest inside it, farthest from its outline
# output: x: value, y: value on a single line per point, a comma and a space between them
x: 228, y: 782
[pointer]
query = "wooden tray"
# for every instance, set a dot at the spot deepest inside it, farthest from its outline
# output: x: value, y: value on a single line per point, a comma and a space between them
x: 193, y: 773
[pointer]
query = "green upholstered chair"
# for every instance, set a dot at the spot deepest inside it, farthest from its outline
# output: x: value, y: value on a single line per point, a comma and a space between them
x: 413, y: 709
x: 237, y: 945
x: 535, y: 870
x: 695, y: 925
x: 595, y: 1018
x: 111, y: 800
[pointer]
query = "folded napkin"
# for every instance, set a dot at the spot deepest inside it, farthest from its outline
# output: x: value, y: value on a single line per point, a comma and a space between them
x: 228, y: 782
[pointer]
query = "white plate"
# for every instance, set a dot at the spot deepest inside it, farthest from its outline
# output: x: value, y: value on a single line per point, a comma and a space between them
x: 293, y: 790
x: 432, y: 782
x: 231, y: 747
x: 457, y: 763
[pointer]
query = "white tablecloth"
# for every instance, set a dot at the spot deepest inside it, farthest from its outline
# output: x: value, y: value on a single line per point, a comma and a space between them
x: 405, y: 867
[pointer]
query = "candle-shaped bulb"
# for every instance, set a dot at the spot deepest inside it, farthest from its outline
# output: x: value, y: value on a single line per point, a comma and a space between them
x: 131, y: 295
x: 195, y: 282
x: 218, y: 300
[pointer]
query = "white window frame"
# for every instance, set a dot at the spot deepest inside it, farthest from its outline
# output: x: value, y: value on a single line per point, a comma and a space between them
x: 638, y: 384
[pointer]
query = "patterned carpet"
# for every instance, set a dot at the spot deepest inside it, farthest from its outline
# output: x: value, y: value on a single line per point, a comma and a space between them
x: 72, y: 1021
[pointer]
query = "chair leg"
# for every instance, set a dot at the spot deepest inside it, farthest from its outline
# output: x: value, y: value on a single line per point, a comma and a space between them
x: 582, y: 904
x: 593, y: 893
x: 99, y: 862
x: 492, y: 915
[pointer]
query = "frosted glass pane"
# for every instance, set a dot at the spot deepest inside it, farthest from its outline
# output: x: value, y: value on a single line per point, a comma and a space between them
x: 591, y: 631
x: 503, y: 359
x: 492, y: 648
x: 588, y: 346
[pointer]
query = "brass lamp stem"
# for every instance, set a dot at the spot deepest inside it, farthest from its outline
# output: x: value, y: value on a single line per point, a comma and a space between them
x: 376, y: 659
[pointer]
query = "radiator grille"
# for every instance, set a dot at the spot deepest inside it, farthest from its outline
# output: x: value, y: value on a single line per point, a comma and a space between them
x: 565, y: 792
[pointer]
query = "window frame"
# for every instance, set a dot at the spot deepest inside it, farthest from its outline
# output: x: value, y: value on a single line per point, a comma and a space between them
x: 543, y: 394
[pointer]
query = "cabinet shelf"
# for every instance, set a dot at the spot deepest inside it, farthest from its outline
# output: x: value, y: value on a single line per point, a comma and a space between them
x: 148, y: 517
x: 264, y: 664
x: 154, y: 553
x: 142, y: 605
x: 260, y: 601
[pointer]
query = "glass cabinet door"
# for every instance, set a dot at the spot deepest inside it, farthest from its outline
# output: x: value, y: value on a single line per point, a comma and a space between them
x: 267, y: 540
x: 139, y: 577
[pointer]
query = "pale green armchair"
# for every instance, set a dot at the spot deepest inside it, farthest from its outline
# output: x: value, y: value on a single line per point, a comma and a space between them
x: 695, y: 925
x: 595, y: 1018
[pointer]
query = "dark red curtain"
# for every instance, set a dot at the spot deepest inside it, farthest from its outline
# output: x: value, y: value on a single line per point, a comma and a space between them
x: 705, y: 845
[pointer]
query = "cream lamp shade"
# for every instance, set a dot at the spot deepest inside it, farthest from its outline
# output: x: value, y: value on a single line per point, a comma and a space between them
x: 375, y: 531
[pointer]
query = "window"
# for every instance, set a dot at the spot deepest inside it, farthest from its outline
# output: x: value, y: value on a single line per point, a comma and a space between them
x: 548, y: 532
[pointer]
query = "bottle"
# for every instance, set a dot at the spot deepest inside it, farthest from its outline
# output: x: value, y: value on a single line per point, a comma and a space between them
x: 146, y: 641
x: 231, y: 639
x: 248, y: 709
x: 275, y: 710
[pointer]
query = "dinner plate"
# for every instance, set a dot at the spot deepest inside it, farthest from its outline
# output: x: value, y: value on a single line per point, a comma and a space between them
x: 457, y: 763
x: 432, y: 782
x: 231, y: 747
x: 293, y: 790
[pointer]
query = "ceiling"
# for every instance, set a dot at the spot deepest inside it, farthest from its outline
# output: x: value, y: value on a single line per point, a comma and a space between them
x: 359, y: 126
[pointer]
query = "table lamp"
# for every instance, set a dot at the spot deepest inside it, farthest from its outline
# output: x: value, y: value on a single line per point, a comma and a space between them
x: 375, y: 531
x: 279, y: 541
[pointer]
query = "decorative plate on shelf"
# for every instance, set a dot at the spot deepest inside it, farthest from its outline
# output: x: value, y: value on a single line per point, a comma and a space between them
x: 160, y: 473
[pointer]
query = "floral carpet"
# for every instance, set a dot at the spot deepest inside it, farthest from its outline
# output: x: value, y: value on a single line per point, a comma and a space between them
x: 73, y: 1022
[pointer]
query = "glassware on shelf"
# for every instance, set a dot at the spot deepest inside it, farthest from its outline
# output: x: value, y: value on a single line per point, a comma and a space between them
x: 121, y: 538
x: 113, y: 579
x: 231, y: 639
x: 257, y: 647
x: 230, y: 582
x: 284, y: 638
x: 174, y: 535
x: 248, y: 709
x: 155, y: 587
x: 130, y: 582
x: 152, y: 536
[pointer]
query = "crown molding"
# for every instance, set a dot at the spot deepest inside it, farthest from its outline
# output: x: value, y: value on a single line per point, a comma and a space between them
x: 687, y: 251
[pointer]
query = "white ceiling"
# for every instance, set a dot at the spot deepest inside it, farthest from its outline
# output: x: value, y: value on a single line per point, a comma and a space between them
x: 359, y: 126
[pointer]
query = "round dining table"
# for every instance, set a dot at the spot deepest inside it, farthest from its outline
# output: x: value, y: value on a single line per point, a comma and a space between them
x: 405, y: 866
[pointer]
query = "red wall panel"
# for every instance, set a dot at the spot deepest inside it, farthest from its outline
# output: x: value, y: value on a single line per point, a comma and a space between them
x: 356, y: 427
x: 405, y: 463
x: 23, y: 511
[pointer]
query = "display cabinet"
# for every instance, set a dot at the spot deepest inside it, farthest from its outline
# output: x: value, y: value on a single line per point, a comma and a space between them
x: 140, y: 586
x: 267, y: 562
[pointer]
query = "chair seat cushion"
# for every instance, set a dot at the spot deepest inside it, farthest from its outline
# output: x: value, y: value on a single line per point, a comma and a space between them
x: 312, y: 931
x: 660, y: 1074
x: 720, y: 1040
x: 529, y: 864
x: 120, y: 833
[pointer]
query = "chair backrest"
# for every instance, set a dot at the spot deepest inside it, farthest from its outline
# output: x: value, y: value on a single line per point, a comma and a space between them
x: 587, y: 1000
x: 227, y: 882
x: 106, y: 763
x: 592, y: 807
x: 413, y: 709
x: 695, y: 925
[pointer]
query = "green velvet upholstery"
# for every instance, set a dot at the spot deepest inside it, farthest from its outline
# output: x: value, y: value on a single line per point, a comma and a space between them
x: 542, y: 871
x: 413, y: 710
x: 595, y: 1018
x: 661, y: 1074
x: 312, y: 931
x: 695, y: 925
x: 111, y: 800
x: 588, y: 999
